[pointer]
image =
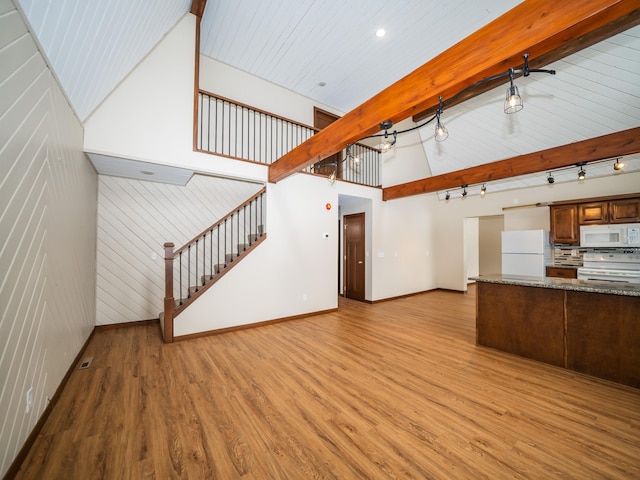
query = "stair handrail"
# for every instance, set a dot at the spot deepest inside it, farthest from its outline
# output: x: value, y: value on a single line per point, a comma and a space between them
x: 231, y: 213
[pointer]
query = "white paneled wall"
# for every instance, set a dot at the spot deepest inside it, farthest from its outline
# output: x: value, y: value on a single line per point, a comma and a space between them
x: 47, y: 234
x: 135, y: 219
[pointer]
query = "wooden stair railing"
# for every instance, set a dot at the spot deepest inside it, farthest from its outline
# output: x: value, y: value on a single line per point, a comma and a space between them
x: 203, y: 261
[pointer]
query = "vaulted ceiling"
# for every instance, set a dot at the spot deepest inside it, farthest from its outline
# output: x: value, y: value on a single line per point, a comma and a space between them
x: 327, y: 50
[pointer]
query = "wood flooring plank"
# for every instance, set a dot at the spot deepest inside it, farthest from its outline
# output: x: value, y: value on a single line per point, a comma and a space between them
x: 391, y: 390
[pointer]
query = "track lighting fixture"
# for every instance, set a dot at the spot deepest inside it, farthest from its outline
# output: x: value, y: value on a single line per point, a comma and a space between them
x: 550, y: 178
x: 618, y: 165
x: 447, y: 196
x: 483, y: 190
x: 581, y: 174
x: 441, y: 133
x: 464, y: 190
x: 512, y: 104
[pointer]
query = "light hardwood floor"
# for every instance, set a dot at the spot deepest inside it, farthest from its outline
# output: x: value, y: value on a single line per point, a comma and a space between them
x: 392, y: 390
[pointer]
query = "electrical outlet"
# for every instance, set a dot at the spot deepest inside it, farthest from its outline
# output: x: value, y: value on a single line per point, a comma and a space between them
x: 29, y: 400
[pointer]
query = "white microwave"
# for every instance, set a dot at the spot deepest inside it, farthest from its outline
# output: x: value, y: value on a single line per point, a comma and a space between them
x: 622, y: 235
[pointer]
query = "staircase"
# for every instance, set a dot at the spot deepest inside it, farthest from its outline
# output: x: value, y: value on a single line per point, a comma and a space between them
x: 200, y: 263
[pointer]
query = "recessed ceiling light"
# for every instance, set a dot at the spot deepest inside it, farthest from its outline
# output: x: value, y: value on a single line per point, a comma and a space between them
x: 146, y: 172
x: 381, y: 32
x: 322, y: 84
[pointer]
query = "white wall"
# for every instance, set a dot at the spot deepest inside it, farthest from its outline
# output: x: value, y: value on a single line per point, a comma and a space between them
x: 472, y: 246
x: 527, y: 218
x: 490, y: 244
x: 222, y: 79
x: 403, y: 232
x: 47, y: 235
x: 406, y: 161
x: 449, y: 215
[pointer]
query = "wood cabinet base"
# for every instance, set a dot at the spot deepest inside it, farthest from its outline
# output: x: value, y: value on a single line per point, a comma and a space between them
x: 592, y: 333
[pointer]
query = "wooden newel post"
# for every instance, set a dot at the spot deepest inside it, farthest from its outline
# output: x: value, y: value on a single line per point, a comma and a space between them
x: 169, y: 301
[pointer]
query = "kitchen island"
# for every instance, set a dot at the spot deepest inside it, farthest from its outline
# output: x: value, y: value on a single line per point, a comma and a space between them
x: 587, y: 326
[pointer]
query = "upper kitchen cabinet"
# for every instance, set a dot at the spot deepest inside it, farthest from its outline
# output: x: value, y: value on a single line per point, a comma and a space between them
x: 624, y: 210
x: 564, y: 224
x: 593, y: 213
x: 567, y: 216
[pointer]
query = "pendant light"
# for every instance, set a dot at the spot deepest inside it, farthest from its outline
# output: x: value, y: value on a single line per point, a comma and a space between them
x: 441, y: 132
x: 513, y: 102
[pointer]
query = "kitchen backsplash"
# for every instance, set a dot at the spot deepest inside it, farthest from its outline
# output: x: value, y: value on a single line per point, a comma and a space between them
x: 568, y: 256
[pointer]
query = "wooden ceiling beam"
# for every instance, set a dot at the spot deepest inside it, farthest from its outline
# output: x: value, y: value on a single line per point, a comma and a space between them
x: 626, y: 142
x: 536, y: 27
x: 197, y: 7
x: 606, y: 31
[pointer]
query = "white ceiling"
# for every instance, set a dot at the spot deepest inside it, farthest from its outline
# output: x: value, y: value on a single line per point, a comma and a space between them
x: 93, y: 44
x: 300, y: 43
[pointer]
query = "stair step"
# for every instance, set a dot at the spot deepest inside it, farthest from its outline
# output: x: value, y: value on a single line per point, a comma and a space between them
x: 243, y: 246
x: 204, y: 279
x: 230, y: 257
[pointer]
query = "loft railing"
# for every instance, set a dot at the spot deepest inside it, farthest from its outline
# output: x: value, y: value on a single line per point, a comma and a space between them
x: 232, y: 129
x: 235, y: 130
x: 361, y: 166
x: 197, y: 265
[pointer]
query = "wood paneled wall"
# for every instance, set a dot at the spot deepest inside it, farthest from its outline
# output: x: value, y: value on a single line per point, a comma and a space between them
x: 135, y: 219
x: 47, y: 234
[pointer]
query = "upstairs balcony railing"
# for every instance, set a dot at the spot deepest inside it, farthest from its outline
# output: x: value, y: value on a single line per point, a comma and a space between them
x: 235, y: 130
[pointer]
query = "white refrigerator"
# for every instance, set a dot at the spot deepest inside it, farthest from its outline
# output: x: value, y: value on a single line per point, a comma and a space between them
x: 525, y: 252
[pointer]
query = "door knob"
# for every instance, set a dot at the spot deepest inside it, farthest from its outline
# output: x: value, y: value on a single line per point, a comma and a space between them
x: 360, y: 262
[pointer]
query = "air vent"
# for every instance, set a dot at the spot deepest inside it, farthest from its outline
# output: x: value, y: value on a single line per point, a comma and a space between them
x: 86, y: 363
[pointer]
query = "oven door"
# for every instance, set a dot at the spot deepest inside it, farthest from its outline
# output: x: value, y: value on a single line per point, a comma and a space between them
x: 600, y: 274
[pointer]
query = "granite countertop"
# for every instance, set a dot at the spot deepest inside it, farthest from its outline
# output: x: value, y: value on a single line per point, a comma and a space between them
x: 592, y: 286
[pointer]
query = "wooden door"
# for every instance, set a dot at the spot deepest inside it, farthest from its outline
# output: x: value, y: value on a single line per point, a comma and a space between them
x: 354, y: 253
x: 322, y: 119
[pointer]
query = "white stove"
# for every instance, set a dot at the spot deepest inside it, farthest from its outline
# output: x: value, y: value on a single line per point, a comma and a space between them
x: 622, y: 265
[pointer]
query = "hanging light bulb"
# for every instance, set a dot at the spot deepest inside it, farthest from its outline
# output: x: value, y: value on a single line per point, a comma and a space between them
x: 618, y: 165
x: 581, y: 174
x: 332, y: 177
x: 483, y: 190
x: 513, y: 102
x: 387, y: 143
x: 441, y: 132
